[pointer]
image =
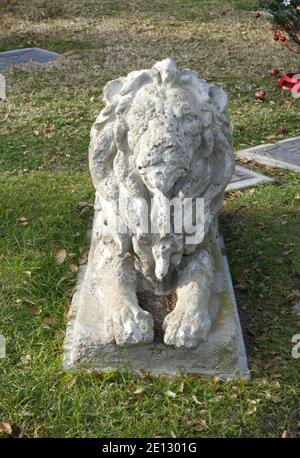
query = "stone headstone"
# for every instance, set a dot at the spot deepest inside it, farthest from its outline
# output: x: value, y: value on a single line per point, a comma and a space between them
x: 284, y: 154
x: 2, y: 87
x: 25, y: 56
x: 246, y: 178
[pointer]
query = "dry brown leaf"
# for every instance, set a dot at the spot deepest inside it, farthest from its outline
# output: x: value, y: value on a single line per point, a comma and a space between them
x: 241, y: 274
x: 241, y: 286
x: 84, y: 257
x: 261, y: 225
x: 251, y: 410
x: 25, y: 413
x: 5, y: 427
x: 200, y: 426
x: 71, y: 292
x: 73, y: 267
x: 71, y: 382
x: 34, y: 311
x: 60, y: 255
x: 139, y: 390
x: 68, y: 313
x: 23, y: 220
x: 196, y: 400
x: 170, y: 394
x: 60, y: 334
x: 48, y: 321
x: 25, y: 359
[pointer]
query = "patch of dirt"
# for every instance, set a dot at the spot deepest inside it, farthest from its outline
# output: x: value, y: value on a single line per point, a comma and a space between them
x: 158, y: 307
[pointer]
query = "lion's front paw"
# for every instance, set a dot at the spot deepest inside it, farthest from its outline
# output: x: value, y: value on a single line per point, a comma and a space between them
x: 132, y: 326
x: 187, y: 327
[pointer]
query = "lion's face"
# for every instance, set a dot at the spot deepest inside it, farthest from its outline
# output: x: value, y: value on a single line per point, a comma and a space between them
x: 163, y: 134
x: 164, y: 131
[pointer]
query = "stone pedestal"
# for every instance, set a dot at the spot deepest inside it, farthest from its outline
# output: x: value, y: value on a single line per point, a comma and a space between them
x: 223, y: 354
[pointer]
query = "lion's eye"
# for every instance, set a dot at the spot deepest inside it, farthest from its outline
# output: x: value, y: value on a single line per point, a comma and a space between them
x: 182, y: 109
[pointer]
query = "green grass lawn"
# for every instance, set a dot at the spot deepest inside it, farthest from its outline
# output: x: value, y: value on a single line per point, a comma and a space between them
x: 44, y: 181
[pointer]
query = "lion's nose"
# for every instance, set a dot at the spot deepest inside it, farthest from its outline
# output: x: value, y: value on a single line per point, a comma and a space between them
x: 161, y: 268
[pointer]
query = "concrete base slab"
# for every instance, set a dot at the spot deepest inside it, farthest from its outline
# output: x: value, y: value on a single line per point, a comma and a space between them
x: 284, y: 154
x: 25, y: 56
x: 223, y: 354
x: 245, y: 178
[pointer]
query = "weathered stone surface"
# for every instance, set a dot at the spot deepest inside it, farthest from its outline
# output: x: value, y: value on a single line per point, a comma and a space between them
x: 284, y: 154
x: 245, y: 178
x: 163, y: 135
x: 26, y: 55
x: 222, y: 354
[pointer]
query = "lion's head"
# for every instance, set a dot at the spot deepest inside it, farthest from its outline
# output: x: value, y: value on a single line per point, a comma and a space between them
x: 162, y: 133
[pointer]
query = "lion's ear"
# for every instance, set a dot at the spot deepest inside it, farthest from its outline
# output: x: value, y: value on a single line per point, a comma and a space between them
x: 113, y: 88
x: 219, y: 97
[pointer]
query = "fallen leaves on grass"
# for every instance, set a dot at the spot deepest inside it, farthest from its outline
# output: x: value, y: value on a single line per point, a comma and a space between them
x: 242, y: 278
x: 196, y: 400
x: 60, y: 334
x: 68, y: 313
x: 71, y: 382
x: 139, y: 390
x: 23, y: 220
x: 261, y: 225
x: 34, y: 311
x: 60, y: 255
x: 251, y: 410
x: 84, y: 257
x: 200, y: 426
x: 70, y: 292
x: 5, y: 427
x: 25, y: 359
x: 73, y: 268
x: 276, y: 399
x: 48, y: 322
x: 170, y: 394
x: 25, y: 413
x: 70, y: 190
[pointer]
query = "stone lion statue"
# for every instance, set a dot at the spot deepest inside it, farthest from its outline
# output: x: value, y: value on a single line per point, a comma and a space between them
x: 163, y: 135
